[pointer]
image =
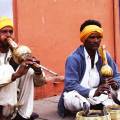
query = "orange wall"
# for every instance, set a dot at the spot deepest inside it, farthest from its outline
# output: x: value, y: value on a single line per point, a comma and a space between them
x: 51, y: 27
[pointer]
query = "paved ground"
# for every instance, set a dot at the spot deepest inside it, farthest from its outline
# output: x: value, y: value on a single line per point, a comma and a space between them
x: 47, y: 109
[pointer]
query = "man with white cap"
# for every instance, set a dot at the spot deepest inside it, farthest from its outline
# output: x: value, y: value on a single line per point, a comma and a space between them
x: 19, y: 76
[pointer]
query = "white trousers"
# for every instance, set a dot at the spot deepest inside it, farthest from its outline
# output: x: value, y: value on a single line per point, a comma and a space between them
x: 73, y: 101
x: 26, y: 94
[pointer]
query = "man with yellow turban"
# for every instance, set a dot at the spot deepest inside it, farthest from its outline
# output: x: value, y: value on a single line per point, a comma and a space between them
x: 82, y: 86
x: 16, y: 80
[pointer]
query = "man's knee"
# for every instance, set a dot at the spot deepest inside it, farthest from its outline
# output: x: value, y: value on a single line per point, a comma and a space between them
x: 73, y: 101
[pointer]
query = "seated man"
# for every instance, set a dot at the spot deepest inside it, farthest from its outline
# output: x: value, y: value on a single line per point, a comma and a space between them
x: 83, y: 82
x: 21, y: 76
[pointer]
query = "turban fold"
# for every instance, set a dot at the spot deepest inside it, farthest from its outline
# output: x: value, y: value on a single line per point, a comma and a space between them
x: 88, y: 30
x: 5, y: 21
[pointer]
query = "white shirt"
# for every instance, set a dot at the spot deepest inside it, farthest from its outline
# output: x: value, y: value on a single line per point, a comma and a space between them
x: 91, y: 77
x: 8, y: 93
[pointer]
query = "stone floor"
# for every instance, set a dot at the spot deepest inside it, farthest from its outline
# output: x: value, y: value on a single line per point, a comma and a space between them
x: 47, y: 109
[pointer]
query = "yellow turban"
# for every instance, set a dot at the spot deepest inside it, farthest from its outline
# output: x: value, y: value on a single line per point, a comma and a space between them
x: 88, y: 30
x: 5, y: 21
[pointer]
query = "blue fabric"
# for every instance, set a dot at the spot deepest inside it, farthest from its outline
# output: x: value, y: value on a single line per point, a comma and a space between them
x: 74, y: 71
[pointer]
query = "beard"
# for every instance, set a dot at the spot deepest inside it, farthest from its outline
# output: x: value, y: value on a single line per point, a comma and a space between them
x: 4, y: 44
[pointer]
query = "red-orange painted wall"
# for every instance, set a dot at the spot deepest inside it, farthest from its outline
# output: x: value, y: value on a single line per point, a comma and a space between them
x: 51, y: 28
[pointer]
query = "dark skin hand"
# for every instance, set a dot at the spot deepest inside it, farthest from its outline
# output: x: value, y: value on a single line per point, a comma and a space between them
x: 106, y: 86
x: 24, y: 67
x: 101, y: 89
x: 114, y: 84
x: 34, y: 64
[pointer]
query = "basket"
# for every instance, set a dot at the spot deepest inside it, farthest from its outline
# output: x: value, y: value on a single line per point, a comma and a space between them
x: 114, y: 112
x: 94, y: 115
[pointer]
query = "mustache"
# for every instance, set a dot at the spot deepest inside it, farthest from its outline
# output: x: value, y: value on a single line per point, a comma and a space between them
x: 94, y: 44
